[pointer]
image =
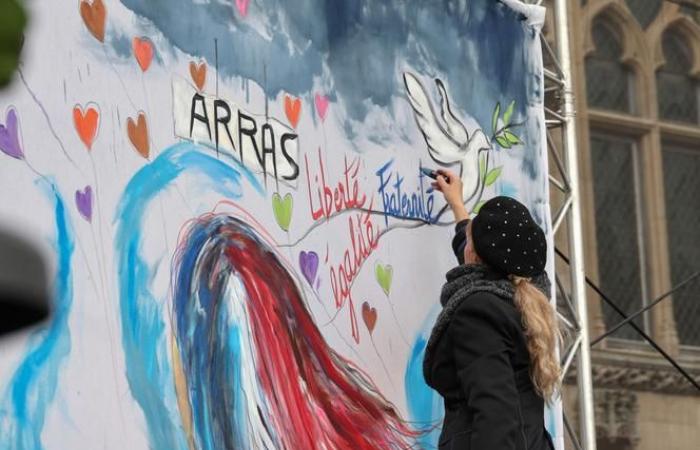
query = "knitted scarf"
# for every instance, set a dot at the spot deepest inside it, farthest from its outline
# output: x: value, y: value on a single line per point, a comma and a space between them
x: 462, y: 281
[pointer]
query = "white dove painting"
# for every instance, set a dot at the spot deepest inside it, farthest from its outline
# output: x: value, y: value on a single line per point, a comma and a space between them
x: 448, y: 141
x: 450, y: 144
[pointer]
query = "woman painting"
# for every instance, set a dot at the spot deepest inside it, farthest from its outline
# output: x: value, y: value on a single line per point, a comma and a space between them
x: 491, y: 354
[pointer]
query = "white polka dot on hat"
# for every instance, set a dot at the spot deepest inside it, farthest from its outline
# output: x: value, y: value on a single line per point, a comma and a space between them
x: 497, y: 240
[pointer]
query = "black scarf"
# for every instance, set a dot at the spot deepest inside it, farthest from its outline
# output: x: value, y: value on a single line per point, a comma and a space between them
x: 462, y: 281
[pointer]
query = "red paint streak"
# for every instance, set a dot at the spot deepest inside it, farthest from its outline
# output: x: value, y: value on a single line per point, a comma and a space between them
x: 316, y: 398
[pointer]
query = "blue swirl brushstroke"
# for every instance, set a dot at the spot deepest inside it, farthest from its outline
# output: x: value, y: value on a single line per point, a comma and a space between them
x: 33, y: 385
x: 146, y: 352
x: 211, y: 364
x: 425, y: 406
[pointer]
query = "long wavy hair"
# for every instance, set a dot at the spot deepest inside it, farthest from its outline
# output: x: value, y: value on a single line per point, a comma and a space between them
x: 540, y: 324
x: 542, y: 333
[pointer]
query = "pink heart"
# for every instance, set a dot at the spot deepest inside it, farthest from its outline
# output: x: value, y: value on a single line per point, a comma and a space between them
x: 321, y: 106
x: 83, y: 200
x: 242, y: 6
x: 9, y: 136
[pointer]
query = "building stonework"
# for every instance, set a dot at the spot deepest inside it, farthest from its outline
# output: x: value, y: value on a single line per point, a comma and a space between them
x: 636, y: 77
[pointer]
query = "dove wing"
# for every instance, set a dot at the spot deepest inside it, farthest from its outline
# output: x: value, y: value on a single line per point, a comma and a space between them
x: 454, y: 126
x: 470, y: 164
x: 443, y: 148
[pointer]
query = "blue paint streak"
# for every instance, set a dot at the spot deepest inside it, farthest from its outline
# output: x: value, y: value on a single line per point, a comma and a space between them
x: 550, y: 421
x: 209, y: 340
x: 146, y: 352
x: 508, y: 189
x: 425, y: 406
x: 33, y: 385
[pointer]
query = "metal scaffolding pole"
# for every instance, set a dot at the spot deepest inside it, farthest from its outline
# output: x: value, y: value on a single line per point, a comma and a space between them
x: 559, y: 90
x: 578, y: 276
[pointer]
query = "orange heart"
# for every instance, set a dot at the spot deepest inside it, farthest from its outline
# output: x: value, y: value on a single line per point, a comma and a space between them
x: 86, y: 123
x: 292, y: 107
x: 143, y: 51
x: 94, y: 15
x: 138, y: 134
x: 198, y: 73
x: 370, y: 316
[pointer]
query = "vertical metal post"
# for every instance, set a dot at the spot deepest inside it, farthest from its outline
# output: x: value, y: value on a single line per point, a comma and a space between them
x: 578, y: 287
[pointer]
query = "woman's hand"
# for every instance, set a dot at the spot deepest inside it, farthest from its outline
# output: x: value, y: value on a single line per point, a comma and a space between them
x: 450, y: 185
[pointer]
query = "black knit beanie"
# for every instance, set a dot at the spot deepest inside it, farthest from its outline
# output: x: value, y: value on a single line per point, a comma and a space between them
x: 508, y: 239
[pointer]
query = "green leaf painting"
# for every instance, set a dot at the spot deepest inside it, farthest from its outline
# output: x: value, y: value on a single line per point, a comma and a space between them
x: 496, y: 113
x: 504, y: 136
x: 493, y: 175
x: 502, y: 141
x: 513, y: 139
x: 508, y: 114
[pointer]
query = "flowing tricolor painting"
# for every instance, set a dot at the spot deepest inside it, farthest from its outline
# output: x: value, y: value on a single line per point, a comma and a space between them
x: 245, y: 252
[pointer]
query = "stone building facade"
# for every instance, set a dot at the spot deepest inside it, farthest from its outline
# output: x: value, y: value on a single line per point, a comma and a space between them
x: 637, y: 86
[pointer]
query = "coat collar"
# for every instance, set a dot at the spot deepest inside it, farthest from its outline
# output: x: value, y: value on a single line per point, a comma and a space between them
x: 462, y: 281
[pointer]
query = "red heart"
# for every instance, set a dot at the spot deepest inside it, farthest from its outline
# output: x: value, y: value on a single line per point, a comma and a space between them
x: 94, y: 15
x: 143, y: 51
x: 138, y: 134
x: 198, y: 72
x: 292, y: 107
x: 86, y: 123
x: 369, y: 315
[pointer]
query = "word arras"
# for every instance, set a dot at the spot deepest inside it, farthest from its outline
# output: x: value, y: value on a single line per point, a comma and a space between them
x: 259, y: 143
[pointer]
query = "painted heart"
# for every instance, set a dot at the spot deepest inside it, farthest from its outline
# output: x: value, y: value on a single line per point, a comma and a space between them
x: 292, y: 107
x: 83, y: 200
x: 384, y: 273
x: 9, y: 135
x: 369, y: 315
x: 138, y: 134
x: 198, y: 72
x: 282, y: 210
x: 94, y: 14
x: 242, y: 6
x: 86, y: 122
x: 143, y: 52
x: 321, y: 106
x: 308, y: 262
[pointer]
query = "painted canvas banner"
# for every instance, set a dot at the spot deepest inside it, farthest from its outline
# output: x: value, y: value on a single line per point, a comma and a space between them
x: 245, y: 252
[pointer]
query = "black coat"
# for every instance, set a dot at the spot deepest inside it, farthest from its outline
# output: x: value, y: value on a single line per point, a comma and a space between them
x: 480, y: 366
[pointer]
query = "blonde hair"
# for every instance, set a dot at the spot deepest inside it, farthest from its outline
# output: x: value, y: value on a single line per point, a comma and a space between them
x: 542, y: 333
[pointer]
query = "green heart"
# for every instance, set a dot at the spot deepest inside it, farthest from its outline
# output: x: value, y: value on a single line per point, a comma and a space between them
x: 384, y: 274
x: 282, y: 209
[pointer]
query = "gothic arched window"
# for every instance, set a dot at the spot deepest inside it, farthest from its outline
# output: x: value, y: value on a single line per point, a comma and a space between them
x: 644, y: 10
x: 609, y: 82
x: 678, y: 90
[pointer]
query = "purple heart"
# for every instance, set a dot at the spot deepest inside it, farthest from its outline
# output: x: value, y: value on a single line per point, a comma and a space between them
x: 9, y: 136
x: 309, y: 265
x: 83, y: 201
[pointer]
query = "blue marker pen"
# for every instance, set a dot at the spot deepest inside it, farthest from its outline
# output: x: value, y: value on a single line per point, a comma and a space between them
x: 431, y: 173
